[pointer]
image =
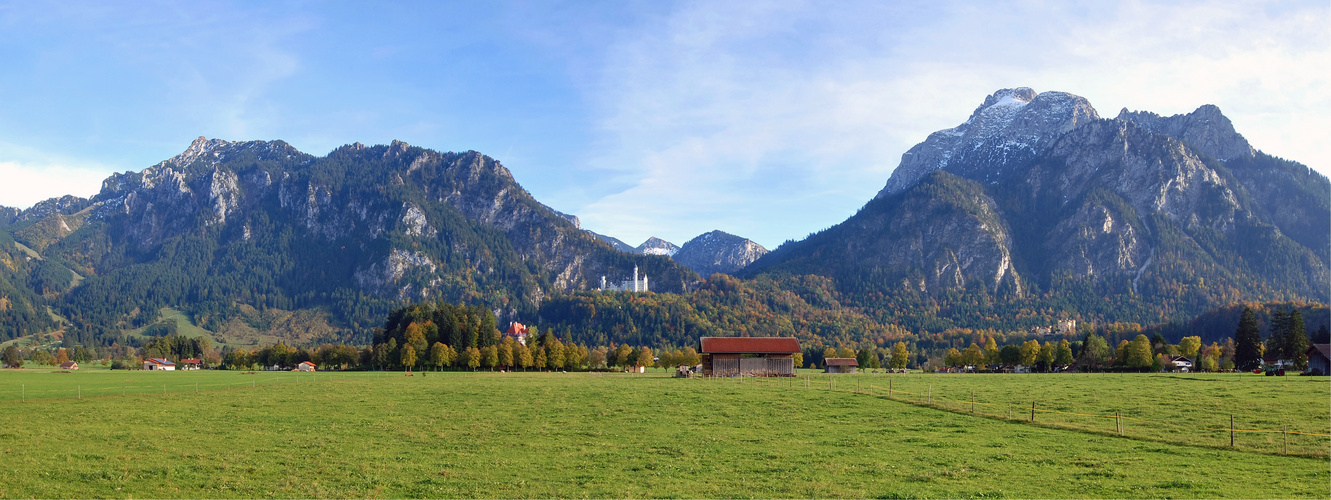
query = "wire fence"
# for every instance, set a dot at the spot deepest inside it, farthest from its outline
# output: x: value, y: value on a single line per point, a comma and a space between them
x: 1218, y: 430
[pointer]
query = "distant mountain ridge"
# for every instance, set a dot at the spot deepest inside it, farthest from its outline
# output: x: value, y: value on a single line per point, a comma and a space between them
x: 718, y: 252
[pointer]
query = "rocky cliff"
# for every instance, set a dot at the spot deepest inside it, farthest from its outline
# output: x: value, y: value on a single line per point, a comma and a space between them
x: 351, y: 233
x: 718, y: 252
x: 1034, y: 196
x: 657, y: 246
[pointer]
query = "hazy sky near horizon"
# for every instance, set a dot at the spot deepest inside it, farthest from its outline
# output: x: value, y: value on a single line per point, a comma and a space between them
x: 769, y: 120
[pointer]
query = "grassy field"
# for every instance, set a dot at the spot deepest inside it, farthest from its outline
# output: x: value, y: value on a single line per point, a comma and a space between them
x: 624, y: 435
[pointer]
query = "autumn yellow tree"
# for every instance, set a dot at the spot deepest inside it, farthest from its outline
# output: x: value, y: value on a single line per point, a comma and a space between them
x: 900, y: 356
x: 645, y: 357
x: 1188, y: 346
x: 1030, y: 352
x: 408, y: 357
x: 992, y: 356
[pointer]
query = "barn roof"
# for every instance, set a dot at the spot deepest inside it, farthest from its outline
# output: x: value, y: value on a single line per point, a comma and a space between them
x: 1323, y: 349
x: 161, y: 361
x: 750, y: 345
x: 842, y: 362
x: 67, y: 365
x: 191, y: 361
x: 306, y: 363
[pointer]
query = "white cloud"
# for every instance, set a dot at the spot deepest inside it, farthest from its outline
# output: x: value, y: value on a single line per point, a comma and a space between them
x: 26, y: 184
x: 774, y: 121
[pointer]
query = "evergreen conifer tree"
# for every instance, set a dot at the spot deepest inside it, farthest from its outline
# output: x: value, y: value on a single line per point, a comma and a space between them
x: 1247, y: 342
x: 1296, y: 341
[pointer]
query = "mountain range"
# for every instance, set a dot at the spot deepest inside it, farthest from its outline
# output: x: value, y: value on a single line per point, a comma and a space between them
x: 706, y: 254
x: 1036, y: 200
x: 1033, y: 208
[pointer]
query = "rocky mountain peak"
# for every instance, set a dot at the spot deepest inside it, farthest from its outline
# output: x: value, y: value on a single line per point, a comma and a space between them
x: 657, y: 246
x: 1205, y: 129
x: 718, y: 252
x: 1010, y: 127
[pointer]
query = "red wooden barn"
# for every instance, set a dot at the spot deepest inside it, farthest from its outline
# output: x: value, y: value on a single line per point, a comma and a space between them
x: 748, y: 356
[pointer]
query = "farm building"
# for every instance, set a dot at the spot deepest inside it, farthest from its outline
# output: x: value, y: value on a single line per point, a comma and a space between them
x: 69, y: 365
x: 748, y: 356
x: 841, y: 365
x: 158, y: 364
x: 305, y: 366
x: 1319, y: 359
x: 190, y: 364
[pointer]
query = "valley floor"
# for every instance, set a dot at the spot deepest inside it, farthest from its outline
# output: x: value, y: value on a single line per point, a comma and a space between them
x: 486, y: 434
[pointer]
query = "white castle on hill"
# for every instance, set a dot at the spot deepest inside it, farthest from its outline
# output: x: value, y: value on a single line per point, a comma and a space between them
x: 634, y: 285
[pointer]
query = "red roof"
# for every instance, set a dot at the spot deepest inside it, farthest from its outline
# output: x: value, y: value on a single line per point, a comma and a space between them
x: 750, y: 345
x: 842, y: 362
x: 515, y: 328
x: 306, y: 363
x: 67, y: 365
x: 191, y: 361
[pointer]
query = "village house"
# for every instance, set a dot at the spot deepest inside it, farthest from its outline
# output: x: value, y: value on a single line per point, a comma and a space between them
x: 517, y: 331
x: 748, y: 356
x: 305, y: 366
x: 190, y: 364
x: 1181, y: 363
x: 840, y: 365
x: 1319, y: 359
x: 69, y: 365
x: 158, y: 364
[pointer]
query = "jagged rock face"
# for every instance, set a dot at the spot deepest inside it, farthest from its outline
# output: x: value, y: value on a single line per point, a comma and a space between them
x: 1179, y: 210
x: 657, y: 246
x: 1010, y: 128
x: 67, y: 204
x: 1206, y: 130
x: 718, y: 252
x: 395, y: 222
x: 944, y: 232
x: 8, y: 214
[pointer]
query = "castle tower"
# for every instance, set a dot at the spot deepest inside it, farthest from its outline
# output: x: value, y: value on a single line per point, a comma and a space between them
x: 635, y: 278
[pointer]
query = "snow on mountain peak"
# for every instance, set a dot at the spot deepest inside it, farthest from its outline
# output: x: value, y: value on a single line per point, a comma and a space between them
x: 1010, y: 126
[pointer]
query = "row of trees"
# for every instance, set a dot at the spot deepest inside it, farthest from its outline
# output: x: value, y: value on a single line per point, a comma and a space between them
x: 1030, y: 353
x: 1288, y: 340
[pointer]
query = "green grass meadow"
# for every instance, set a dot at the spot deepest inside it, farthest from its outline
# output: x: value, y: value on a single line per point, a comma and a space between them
x: 495, y: 435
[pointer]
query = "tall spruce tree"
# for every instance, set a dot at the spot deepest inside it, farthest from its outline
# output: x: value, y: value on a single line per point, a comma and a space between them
x: 1296, y: 340
x: 1275, y: 343
x: 1247, y: 342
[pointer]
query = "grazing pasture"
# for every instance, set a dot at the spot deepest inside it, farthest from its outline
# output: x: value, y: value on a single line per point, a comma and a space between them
x: 632, y: 435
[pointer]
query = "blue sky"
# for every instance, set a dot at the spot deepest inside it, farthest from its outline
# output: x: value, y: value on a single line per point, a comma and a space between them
x: 769, y: 120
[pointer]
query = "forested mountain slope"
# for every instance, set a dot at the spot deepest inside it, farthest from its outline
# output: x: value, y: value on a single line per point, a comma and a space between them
x: 230, y: 225
x: 1111, y: 219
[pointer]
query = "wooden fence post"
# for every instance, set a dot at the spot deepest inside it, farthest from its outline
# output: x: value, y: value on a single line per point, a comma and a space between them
x: 1284, y: 433
x: 1032, y: 411
x: 889, y: 388
x: 930, y: 397
x: 972, y: 401
x: 1231, y: 430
